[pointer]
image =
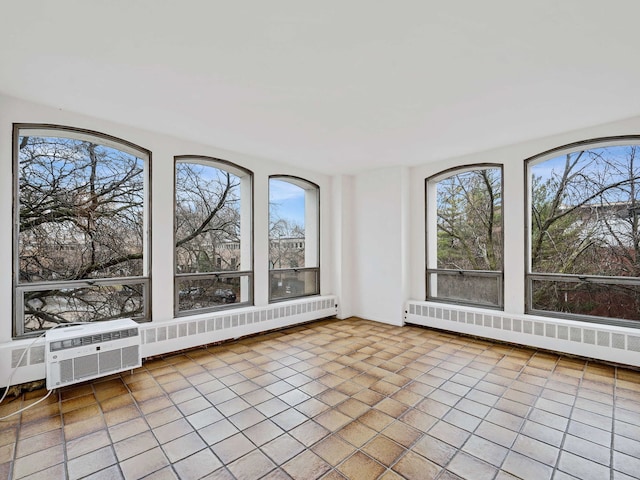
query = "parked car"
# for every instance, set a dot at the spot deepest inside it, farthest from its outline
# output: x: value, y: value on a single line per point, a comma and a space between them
x: 192, y: 291
x: 224, y: 295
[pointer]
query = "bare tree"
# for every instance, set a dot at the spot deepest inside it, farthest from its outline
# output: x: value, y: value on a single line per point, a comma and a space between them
x: 286, y: 242
x: 469, y: 221
x: 80, y: 212
x: 207, y: 217
x: 585, y: 222
x: 207, y: 236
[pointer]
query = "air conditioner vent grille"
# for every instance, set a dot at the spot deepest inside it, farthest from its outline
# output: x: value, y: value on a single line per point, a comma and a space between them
x: 91, y: 350
x: 92, y: 339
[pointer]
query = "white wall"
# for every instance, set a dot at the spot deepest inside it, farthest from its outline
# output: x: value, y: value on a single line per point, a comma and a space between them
x: 342, y: 229
x: 163, y: 149
x: 380, y: 244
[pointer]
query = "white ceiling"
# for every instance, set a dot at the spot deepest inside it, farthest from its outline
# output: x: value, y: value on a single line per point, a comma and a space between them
x: 337, y: 86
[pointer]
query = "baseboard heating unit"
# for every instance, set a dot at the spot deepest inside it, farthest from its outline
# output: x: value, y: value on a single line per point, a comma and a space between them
x: 603, y: 342
x: 84, y: 352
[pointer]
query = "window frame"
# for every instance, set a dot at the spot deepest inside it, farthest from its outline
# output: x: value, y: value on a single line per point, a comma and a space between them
x: 305, y: 185
x: 105, y: 140
x: 431, y: 221
x: 530, y: 276
x: 242, y: 173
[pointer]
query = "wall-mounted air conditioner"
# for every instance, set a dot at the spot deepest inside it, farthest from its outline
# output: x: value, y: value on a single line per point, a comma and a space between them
x: 83, y: 352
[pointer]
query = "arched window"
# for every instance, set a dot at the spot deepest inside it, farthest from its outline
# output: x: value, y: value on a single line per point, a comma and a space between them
x: 584, y: 231
x: 81, y: 223
x: 213, y: 244
x: 464, y: 236
x: 294, y: 238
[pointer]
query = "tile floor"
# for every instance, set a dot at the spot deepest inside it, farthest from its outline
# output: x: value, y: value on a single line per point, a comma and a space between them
x: 337, y: 399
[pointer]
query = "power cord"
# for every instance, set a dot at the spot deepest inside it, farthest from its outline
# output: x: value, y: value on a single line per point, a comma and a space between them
x: 19, y: 362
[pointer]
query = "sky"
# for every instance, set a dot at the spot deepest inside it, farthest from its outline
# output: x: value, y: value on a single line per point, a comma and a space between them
x: 618, y: 154
x: 289, y: 199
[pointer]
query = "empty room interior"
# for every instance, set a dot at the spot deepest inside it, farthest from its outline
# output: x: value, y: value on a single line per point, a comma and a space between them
x: 296, y: 240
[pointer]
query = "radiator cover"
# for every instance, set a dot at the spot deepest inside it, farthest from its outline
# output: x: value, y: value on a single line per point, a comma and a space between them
x: 590, y: 340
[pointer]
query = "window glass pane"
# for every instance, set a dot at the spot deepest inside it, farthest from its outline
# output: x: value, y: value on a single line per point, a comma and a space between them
x: 196, y: 294
x: 470, y: 221
x: 207, y: 219
x: 464, y: 236
x: 466, y: 288
x: 46, y: 308
x: 294, y: 239
x: 288, y: 284
x: 81, y: 228
x: 585, y: 209
x: 586, y: 298
x: 213, y: 226
x: 81, y: 210
x: 286, y: 225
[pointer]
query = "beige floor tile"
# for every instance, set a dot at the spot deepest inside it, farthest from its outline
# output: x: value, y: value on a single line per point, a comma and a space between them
x: 309, y: 433
x: 337, y: 399
x: 582, y: 468
x: 232, y: 448
x: 38, y: 461
x: 332, y: 420
x: 526, y: 468
x: 333, y: 449
x: 263, y: 432
x: 420, y: 420
x: 415, y: 467
x: 434, y: 450
x: 7, y: 452
x: 361, y: 467
x: 144, y: 464
x: 36, y: 443
x: 254, y: 465
x: 123, y: 414
x: 357, y: 433
x: 283, y: 448
x: 41, y: 412
x: 132, y: 446
x: 56, y: 471
x: 353, y: 408
x: 536, y: 450
x: 117, y: 401
x: 383, y: 450
x: 84, y: 427
x: 91, y: 462
x: 470, y: 467
x: 89, y: 443
x: 198, y: 465
x: 449, y: 433
x: 306, y: 465
x: 246, y: 418
x: 173, y: 430
x: 289, y: 419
